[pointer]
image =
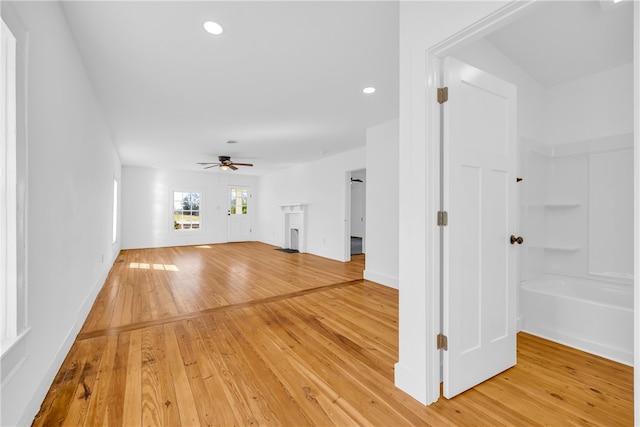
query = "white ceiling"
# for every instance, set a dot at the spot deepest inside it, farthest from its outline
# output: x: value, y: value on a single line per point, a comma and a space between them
x: 285, y: 79
x: 561, y: 41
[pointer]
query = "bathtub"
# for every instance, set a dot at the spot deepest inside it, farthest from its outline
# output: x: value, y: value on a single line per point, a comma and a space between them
x: 590, y: 315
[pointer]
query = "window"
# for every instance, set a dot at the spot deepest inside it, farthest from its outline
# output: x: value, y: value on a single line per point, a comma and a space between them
x: 8, y: 179
x: 238, y: 198
x: 115, y: 211
x: 186, y: 210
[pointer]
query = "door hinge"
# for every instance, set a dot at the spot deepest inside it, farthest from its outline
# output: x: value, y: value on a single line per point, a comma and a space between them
x: 443, y: 218
x: 443, y: 95
x: 442, y: 342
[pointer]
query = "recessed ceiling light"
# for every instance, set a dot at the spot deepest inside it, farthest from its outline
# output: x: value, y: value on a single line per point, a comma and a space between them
x: 213, y: 28
x: 369, y: 89
x: 232, y: 141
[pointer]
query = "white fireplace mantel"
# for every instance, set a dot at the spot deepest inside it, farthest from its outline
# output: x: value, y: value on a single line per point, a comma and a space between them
x: 294, y: 220
x: 293, y: 208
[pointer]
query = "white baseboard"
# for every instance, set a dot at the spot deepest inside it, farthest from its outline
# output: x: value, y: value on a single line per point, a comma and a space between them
x: 382, y: 279
x: 40, y: 393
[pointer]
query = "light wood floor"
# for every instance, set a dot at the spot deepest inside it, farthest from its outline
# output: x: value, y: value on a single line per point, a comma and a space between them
x: 242, y: 334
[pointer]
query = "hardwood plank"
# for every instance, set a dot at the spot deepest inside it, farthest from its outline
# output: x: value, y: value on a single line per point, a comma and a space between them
x: 186, y: 316
x: 98, y: 401
x: 57, y: 404
x: 79, y: 405
x: 118, y: 384
x: 132, y: 412
x: 241, y: 334
x: 170, y: 415
x: 208, y: 358
x: 151, y: 384
x: 184, y: 396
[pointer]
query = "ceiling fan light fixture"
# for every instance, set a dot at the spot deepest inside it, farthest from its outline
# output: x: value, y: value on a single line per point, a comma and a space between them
x: 214, y: 28
x: 224, y: 167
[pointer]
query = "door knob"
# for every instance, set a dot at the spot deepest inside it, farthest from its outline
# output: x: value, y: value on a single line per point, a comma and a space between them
x: 513, y: 239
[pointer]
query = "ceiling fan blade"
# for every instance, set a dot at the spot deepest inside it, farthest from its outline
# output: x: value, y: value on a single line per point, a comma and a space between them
x: 233, y: 168
x: 206, y: 163
x: 212, y: 166
x: 242, y: 164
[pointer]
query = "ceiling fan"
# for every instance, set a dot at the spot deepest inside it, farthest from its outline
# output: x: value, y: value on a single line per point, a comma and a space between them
x: 224, y: 163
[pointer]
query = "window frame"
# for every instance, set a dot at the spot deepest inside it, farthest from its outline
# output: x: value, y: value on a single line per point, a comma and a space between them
x: 8, y: 190
x: 244, y: 209
x: 172, y: 210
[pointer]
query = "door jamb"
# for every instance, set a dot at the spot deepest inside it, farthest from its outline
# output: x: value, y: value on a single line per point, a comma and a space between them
x: 346, y: 256
x: 433, y: 58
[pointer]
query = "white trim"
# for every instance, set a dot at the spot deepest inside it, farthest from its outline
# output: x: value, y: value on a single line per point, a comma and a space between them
x: 13, y: 356
x: 382, y: 279
x: 8, y: 193
x: 115, y: 211
x: 346, y: 255
x: 636, y: 195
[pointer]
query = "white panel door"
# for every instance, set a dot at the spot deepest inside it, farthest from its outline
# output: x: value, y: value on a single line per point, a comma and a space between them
x: 239, y: 214
x: 479, y: 289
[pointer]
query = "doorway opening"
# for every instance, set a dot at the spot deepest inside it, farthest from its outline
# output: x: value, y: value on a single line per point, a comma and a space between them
x: 574, y: 162
x: 357, y: 213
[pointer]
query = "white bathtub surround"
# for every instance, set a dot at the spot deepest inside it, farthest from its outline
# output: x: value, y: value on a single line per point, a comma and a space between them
x: 294, y: 232
x: 590, y: 315
x: 577, y: 264
x: 577, y: 209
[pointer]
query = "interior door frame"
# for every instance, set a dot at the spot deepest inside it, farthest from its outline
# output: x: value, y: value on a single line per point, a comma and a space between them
x: 433, y: 58
x: 346, y: 255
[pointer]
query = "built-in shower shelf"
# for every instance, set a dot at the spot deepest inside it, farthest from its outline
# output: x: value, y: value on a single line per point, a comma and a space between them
x: 555, y: 205
x: 561, y: 248
x: 561, y: 205
x: 558, y: 248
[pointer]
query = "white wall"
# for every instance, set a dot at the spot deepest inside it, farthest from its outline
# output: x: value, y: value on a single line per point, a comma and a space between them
x: 320, y: 185
x: 383, y: 204
x: 71, y: 166
x: 422, y: 26
x: 595, y: 106
x: 147, y: 205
